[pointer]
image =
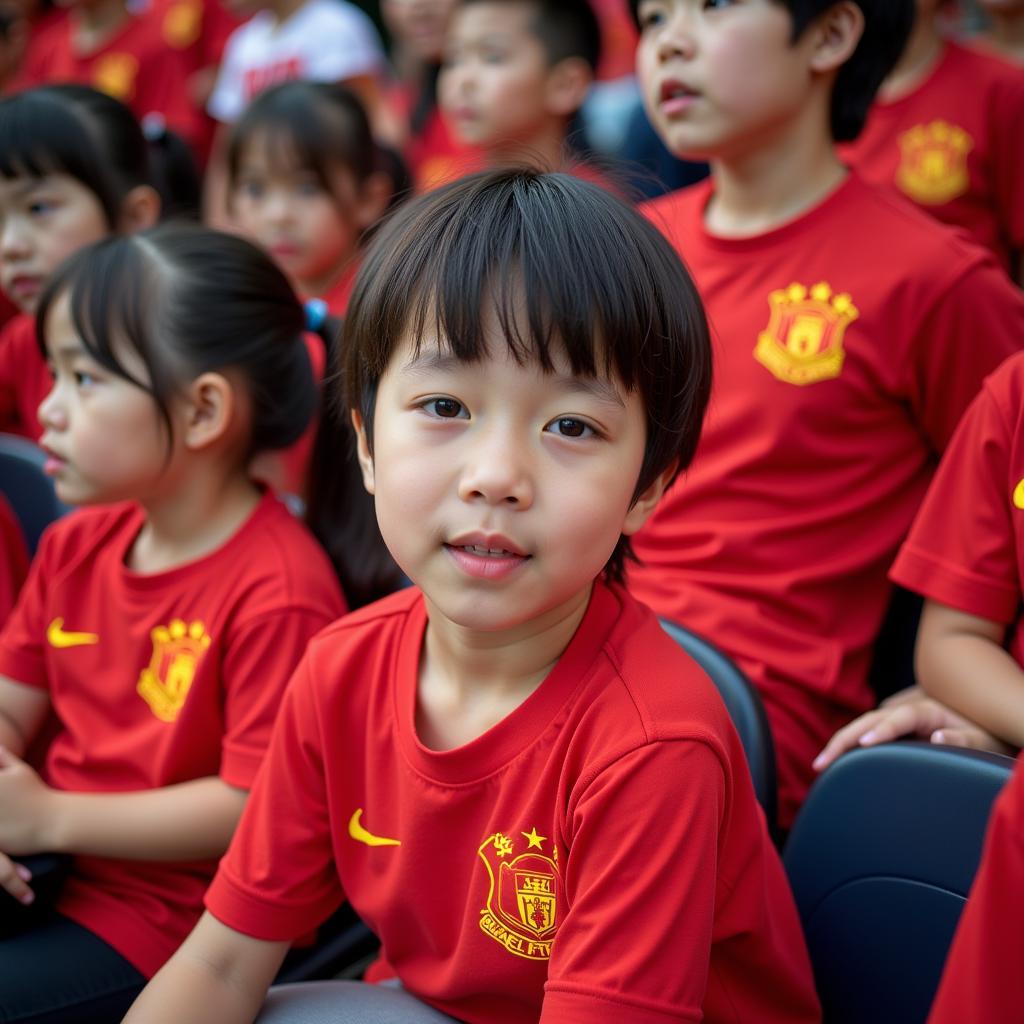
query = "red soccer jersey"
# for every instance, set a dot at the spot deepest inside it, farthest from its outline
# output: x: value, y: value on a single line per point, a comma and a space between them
x: 982, y: 980
x: 338, y: 295
x: 146, y: 65
x: 597, y: 854
x: 13, y: 559
x: 841, y: 371
x: 966, y: 548
x: 955, y: 146
x: 24, y: 378
x: 158, y: 679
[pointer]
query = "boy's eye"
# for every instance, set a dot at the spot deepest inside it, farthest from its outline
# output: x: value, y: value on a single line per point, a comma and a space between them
x: 308, y: 188
x: 649, y: 15
x: 84, y: 379
x: 569, y: 426
x: 252, y: 189
x: 38, y: 207
x: 445, y: 408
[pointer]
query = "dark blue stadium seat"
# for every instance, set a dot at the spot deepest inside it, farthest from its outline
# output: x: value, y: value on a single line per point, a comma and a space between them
x: 26, y: 487
x: 881, y: 858
x: 745, y: 708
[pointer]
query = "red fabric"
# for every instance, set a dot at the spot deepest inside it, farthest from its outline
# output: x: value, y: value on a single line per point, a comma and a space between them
x: 824, y: 427
x: 955, y: 146
x: 435, y: 157
x: 146, y: 64
x: 24, y: 378
x: 338, y: 295
x: 13, y: 559
x: 531, y: 877
x: 982, y: 980
x: 258, y: 598
x: 618, y: 40
x: 966, y: 548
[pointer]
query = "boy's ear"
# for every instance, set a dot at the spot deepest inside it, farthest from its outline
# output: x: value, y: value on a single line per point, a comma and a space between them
x: 642, y: 508
x: 140, y: 209
x: 567, y: 86
x: 210, y: 410
x: 836, y: 34
x: 372, y: 201
x: 363, y: 450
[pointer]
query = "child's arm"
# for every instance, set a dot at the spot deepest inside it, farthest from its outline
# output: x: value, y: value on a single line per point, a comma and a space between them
x: 188, y: 821
x: 960, y: 661
x: 908, y: 714
x: 22, y: 711
x: 218, y: 975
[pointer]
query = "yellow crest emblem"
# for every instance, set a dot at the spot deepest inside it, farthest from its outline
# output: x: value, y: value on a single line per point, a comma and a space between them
x: 933, y: 162
x: 525, y: 899
x: 115, y: 75
x: 177, y: 650
x: 182, y: 25
x: 803, y: 342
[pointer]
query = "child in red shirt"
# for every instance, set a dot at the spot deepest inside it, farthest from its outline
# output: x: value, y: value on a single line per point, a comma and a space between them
x: 842, y: 370
x: 13, y: 559
x: 537, y: 802
x: 515, y: 74
x: 947, y: 132
x: 74, y: 167
x: 160, y: 626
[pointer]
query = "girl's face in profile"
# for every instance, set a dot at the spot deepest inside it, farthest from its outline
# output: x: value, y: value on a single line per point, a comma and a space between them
x: 43, y: 221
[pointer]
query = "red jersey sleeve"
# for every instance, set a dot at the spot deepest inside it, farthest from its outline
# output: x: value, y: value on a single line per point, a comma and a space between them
x: 646, y: 908
x: 983, y: 980
x: 22, y: 654
x: 13, y: 559
x: 976, y: 323
x: 266, y: 648
x: 278, y: 879
x: 961, y: 550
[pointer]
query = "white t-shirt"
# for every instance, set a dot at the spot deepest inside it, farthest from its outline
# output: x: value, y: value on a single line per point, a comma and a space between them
x: 323, y: 41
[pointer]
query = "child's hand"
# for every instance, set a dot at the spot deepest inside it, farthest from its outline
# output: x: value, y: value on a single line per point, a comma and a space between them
x: 15, y: 878
x: 25, y: 810
x: 908, y: 713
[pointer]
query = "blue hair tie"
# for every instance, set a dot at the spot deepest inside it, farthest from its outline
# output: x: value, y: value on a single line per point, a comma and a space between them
x: 316, y: 314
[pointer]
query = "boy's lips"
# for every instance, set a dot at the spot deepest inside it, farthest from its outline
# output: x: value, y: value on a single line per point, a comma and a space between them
x: 486, y: 555
x: 22, y: 286
x: 675, y: 96
x: 54, y: 461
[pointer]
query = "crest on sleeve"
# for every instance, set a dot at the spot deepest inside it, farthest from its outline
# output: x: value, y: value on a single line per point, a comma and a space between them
x: 933, y: 162
x: 115, y: 75
x: 803, y: 342
x: 525, y: 897
x: 165, y: 682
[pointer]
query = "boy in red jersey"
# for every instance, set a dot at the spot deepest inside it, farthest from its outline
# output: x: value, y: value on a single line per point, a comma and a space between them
x: 537, y: 803
x: 852, y: 333
x: 947, y: 131
x: 515, y: 74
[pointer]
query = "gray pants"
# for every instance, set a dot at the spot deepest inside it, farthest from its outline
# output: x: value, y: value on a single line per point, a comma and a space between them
x: 346, y: 1002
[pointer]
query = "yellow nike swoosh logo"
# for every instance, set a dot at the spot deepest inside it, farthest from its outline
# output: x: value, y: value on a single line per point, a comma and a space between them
x: 357, y: 832
x: 59, y: 638
x: 1018, y: 495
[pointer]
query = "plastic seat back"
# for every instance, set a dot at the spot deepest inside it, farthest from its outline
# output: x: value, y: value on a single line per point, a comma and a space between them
x: 27, y: 488
x: 745, y: 709
x: 881, y: 858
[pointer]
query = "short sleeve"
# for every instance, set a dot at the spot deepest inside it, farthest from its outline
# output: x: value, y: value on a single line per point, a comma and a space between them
x: 13, y: 559
x: 256, y: 668
x: 961, y: 550
x: 977, y: 322
x: 348, y: 46
x: 983, y: 980
x: 278, y: 879
x: 22, y: 640
x: 636, y: 943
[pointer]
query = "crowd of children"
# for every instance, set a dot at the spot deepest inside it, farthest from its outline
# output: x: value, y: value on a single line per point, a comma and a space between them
x: 383, y: 477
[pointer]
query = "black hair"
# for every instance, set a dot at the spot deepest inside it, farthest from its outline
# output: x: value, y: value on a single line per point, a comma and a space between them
x: 318, y: 126
x: 565, y: 265
x: 565, y: 28
x: 887, y: 25
x: 190, y: 300
x: 176, y: 174
x: 78, y: 131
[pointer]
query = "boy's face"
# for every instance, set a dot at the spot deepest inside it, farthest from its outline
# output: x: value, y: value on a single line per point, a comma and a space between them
x: 717, y: 76
x: 501, y: 490
x: 493, y: 88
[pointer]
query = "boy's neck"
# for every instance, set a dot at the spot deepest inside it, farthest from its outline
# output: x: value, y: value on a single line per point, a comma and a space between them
x: 93, y: 23
x: 199, y: 514
x: 470, y: 680
x: 923, y: 50
x: 761, y: 190
x: 545, y: 150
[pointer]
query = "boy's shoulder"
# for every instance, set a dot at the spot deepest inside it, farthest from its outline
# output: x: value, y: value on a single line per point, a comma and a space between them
x: 1005, y: 387
x: 85, y: 533
x: 986, y: 69
x: 380, y: 623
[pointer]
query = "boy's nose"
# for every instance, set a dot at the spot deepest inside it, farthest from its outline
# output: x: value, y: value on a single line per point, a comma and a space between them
x: 51, y: 413
x: 13, y: 241
x: 676, y: 39
x: 496, y: 473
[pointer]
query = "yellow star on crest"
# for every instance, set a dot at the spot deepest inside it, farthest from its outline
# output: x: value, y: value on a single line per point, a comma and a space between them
x: 533, y: 839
